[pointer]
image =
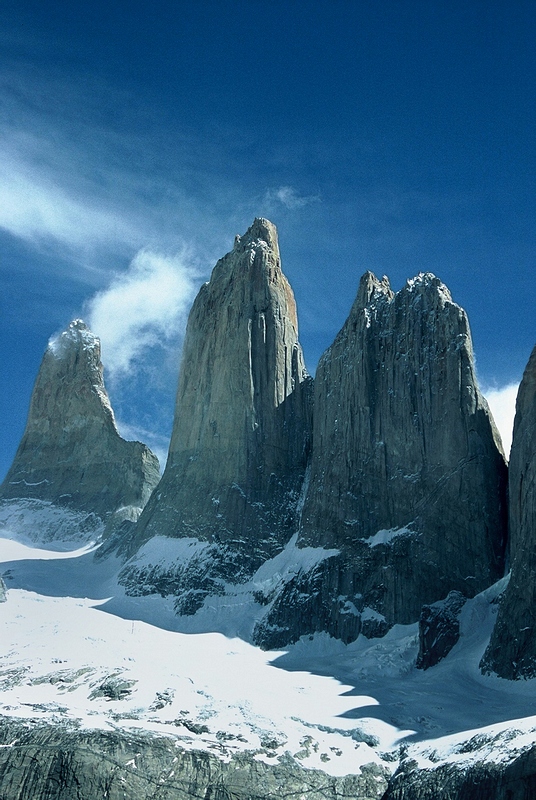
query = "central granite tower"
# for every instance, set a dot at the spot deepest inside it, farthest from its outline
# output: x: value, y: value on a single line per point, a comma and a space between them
x: 242, y: 419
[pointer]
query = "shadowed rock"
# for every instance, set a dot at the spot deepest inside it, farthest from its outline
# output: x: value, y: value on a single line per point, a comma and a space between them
x: 439, y: 629
x: 71, y: 452
x: 512, y: 649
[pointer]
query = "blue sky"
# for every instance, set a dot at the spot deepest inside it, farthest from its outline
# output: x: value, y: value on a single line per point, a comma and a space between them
x: 137, y: 139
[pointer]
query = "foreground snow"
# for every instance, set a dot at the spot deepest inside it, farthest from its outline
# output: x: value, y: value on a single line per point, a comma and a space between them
x: 330, y: 706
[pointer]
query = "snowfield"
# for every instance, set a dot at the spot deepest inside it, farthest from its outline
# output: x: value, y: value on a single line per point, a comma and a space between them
x: 75, y: 648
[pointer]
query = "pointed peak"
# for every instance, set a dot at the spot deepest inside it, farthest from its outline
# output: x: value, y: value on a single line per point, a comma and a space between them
x: 261, y: 230
x: 426, y: 282
x: 77, y: 334
x: 371, y: 289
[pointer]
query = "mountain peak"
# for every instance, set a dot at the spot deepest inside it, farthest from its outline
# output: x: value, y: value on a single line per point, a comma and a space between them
x: 76, y: 334
x: 71, y: 451
x: 238, y: 448
x: 262, y: 230
x: 371, y: 289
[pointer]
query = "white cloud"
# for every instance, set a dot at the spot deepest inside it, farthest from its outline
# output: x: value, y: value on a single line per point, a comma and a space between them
x: 502, y: 402
x: 35, y: 207
x: 144, y: 307
x: 289, y: 197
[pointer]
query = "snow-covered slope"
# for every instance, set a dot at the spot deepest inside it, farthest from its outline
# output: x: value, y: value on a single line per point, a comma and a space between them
x: 65, y: 657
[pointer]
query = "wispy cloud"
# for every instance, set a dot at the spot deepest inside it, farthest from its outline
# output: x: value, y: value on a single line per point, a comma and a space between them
x: 144, y: 307
x: 36, y: 207
x: 289, y: 197
x: 502, y: 402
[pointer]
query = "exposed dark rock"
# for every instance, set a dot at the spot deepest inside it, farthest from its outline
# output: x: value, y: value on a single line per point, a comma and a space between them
x: 3, y: 591
x: 512, y: 649
x: 242, y: 422
x: 439, y: 629
x: 40, y: 762
x: 408, y: 479
x: 513, y: 779
x: 306, y: 605
x: 113, y: 688
x: 71, y: 452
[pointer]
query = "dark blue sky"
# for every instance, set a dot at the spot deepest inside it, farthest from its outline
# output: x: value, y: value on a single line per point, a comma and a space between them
x: 393, y: 136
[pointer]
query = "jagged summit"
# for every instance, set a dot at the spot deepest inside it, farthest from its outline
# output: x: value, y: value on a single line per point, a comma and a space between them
x: 261, y: 232
x: 371, y: 290
x: 75, y: 334
x: 71, y: 452
x: 77, y: 348
x: 406, y: 478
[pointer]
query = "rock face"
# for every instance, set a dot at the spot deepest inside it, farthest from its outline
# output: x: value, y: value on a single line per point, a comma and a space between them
x: 407, y: 477
x: 512, y: 649
x: 242, y: 421
x: 487, y: 779
x: 44, y: 762
x: 71, y: 452
x: 439, y: 629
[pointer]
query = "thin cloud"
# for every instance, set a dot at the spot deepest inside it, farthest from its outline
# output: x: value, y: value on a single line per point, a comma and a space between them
x: 146, y: 306
x: 289, y: 197
x: 34, y: 207
x: 502, y: 402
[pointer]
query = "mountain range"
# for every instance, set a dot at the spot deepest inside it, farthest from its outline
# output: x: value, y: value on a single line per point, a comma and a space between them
x: 362, y: 526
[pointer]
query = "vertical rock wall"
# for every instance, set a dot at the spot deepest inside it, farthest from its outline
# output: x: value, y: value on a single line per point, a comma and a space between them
x: 512, y: 649
x: 408, y: 479
x: 241, y: 432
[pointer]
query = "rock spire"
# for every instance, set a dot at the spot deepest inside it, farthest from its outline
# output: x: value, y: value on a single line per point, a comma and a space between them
x: 71, y: 452
x: 407, y: 480
x: 241, y: 432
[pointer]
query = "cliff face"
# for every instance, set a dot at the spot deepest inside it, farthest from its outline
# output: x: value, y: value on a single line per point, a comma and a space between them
x: 512, y: 649
x: 407, y: 477
x: 71, y: 452
x: 45, y: 762
x: 241, y: 431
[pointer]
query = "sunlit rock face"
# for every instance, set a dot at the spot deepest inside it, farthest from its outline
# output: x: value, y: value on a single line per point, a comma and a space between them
x: 407, y: 479
x: 512, y: 649
x: 242, y: 420
x: 71, y: 452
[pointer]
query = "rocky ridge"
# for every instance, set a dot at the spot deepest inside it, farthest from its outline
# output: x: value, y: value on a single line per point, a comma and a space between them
x: 44, y: 762
x: 388, y: 466
x: 393, y: 471
x: 377, y: 500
